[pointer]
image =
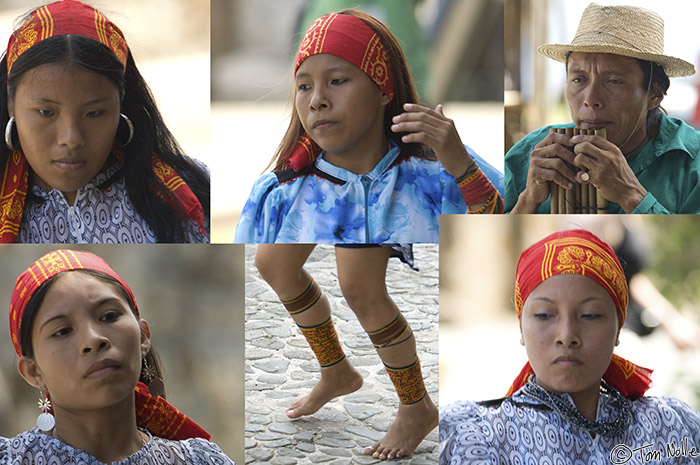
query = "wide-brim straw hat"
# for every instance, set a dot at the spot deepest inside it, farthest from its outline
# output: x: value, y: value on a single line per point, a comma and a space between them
x: 621, y: 30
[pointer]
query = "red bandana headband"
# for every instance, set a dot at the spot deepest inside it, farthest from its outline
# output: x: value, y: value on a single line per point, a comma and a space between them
x: 152, y: 412
x: 575, y: 251
x: 579, y: 252
x: 350, y: 38
x: 66, y: 17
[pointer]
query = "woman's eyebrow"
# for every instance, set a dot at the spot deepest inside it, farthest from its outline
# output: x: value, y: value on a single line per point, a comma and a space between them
x: 334, y: 69
x: 584, y: 300
x: 54, y: 102
x: 53, y: 318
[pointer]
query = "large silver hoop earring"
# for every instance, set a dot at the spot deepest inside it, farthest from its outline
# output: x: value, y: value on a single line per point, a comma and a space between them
x: 8, y: 134
x: 131, y: 129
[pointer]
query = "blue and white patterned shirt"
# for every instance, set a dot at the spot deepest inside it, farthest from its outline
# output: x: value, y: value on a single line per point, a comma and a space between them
x: 34, y: 447
x: 524, y: 431
x: 100, y: 215
x: 399, y: 201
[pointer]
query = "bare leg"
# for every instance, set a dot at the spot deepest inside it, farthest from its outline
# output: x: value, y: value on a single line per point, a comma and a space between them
x: 362, y: 276
x: 282, y: 266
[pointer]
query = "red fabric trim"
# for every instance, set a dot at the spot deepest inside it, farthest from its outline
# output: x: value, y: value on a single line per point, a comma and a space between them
x: 13, y: 191
x: 162, y: 419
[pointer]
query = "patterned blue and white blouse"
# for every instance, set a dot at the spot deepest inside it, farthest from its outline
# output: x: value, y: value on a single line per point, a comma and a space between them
x: 34, y: 447
x: 100, y: 215
x: 521, y: 430
x: 400, y: 200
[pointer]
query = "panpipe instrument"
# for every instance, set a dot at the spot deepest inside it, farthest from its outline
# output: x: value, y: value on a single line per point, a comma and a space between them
x: 583, y: 198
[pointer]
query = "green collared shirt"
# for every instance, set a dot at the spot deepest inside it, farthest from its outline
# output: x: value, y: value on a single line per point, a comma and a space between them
x: 667, y: 166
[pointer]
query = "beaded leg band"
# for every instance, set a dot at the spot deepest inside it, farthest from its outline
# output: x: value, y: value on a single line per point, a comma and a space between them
x: 305, y: 300
x: 392, y: 334
x: 408, y: 382
x: 324, y: 342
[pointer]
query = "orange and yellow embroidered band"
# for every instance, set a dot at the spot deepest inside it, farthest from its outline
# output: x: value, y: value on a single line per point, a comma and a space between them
x: 408, y: 382
x: 324, y: 342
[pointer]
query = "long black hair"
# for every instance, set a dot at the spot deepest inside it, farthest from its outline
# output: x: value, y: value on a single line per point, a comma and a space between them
x: 32, y: 308
x: 150, y: 132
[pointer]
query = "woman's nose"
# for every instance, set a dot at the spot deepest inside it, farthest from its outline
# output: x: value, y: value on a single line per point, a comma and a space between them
x: 567, y: 333
x: 319, y: 99
x: 70, y: 132
x: 94, y: 340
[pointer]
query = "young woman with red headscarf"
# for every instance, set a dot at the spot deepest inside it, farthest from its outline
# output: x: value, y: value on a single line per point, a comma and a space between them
x: 77, y: 331
x: 575, y: 401
x: 87, y: 157
x: 362, y: 161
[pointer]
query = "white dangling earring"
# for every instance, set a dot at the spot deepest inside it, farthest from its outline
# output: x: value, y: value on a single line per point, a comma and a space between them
x: 8, y: 134
x: 131, y: 128
x: 46, y: 420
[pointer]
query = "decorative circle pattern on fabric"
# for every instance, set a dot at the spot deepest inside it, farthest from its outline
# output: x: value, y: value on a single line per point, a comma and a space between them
x: 471, y: 433
x: 35, y: 447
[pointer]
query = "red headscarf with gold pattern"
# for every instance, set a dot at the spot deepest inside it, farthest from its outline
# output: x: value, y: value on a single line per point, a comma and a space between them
x: 73, y: 17
x: 152, y: 412
x: 350, y: 38
x: 580, y: 252
x: 66, y: 17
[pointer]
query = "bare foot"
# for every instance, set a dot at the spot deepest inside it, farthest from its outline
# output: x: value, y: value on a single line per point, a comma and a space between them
x: 412, y: 424
x: 337, y: 380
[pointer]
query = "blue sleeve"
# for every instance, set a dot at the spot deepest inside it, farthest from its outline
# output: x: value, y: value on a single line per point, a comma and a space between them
x: 261, y: 214
x: 495, y: 176
x: 452, y: 201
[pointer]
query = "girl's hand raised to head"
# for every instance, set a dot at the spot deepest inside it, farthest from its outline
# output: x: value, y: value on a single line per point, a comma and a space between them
x: 430, y: 127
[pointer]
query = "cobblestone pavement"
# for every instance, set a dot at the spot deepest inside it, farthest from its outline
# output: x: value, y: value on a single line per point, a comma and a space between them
x: 280, y: 367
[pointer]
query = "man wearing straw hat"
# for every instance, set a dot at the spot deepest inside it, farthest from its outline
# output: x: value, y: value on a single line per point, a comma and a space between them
x: 617, y: 76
